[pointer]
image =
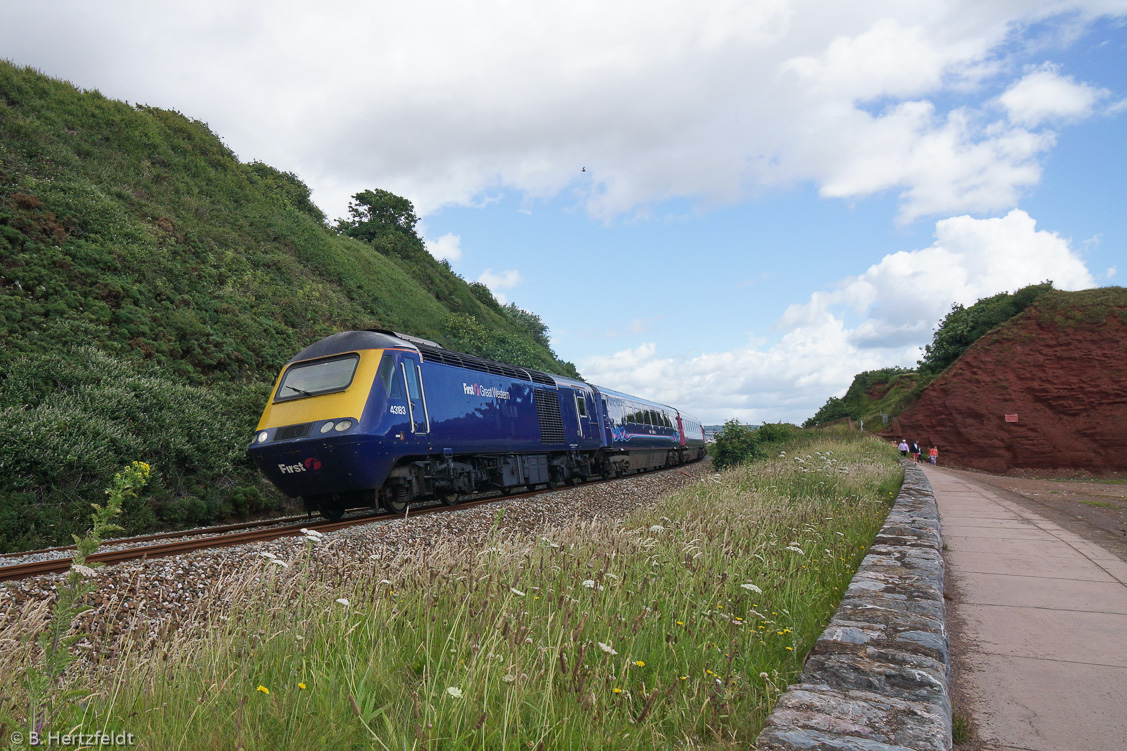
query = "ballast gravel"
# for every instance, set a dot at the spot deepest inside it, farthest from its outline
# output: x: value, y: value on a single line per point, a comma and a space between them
x: 148, y: 598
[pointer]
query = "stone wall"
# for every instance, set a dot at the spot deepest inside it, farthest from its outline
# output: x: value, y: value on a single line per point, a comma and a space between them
x: 877, y: 678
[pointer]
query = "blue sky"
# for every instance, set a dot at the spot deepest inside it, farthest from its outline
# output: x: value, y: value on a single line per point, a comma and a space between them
x: 730, y: 207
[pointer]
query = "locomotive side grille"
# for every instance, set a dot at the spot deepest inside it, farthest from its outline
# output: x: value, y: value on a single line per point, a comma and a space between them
x: 293, y: 431
x: 548, y: 410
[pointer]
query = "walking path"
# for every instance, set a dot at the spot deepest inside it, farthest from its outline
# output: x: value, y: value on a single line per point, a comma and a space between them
x: 1045, y: 624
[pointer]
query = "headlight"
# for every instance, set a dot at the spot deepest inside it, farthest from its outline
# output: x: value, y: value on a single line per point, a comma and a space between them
x: 344, y: 425
x: 327, y: 427
x: 262, y: 437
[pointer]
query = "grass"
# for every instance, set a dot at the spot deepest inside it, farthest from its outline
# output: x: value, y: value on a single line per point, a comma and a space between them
x: 1100, y: 504
x: 677, y: 627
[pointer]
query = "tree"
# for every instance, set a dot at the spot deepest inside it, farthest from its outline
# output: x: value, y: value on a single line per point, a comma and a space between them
x: 529, y: 322
x: 373, y: 214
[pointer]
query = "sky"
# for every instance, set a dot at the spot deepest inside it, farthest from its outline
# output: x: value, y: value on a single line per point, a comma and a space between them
x: 728, y: 207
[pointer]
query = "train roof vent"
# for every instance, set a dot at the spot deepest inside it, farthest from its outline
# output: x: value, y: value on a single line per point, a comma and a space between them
x: 480, y: 364
x: 541, y: 377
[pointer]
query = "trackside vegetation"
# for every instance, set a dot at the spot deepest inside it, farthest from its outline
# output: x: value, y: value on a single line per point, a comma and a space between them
x: 151, y: 287
x: 677, y: 627
x: 737, y: 443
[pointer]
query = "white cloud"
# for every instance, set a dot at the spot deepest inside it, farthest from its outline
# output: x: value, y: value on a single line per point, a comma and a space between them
x: 1046, y: 96
x: 877, y: 319
x: 496, y: 282
x: 448, y: 247
x: 454, y: 103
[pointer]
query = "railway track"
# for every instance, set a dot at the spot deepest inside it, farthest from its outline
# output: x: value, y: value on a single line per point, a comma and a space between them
x: 201, y: 541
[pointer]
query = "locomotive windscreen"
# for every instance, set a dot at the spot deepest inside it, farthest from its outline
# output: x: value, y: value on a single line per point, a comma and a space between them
x: 317, y: 377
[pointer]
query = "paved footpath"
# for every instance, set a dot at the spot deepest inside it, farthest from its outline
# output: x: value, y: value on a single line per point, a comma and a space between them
x: 1045, y: 616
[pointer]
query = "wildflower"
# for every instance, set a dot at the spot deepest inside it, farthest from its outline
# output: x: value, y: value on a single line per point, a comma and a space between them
x: 83, y: 571
x: 454, y: 692
x: 301, y: 686
x: 516, y: 592
x: 752, y: 588
x: 590, y: 584
x: 763, y: 675
x: 639, y: 663
x: 617, y: 690
x: 279, y: 562
x: 263, y: 689
x: 266, y: 554
x: 684, y: 677
x: 657, y: 529
x: 680, y: 623
x: 795, y: 549
x: 790, y: 649
x: 343, y: 601
x: 607, y: 648
x: 508, y: 678
x: 311, y: 533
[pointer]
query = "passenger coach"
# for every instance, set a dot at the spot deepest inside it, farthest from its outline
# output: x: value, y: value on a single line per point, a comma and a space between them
x: 380, y: 418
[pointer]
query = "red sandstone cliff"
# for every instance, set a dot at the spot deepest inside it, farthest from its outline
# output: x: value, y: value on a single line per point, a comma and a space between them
x: 1060, y: 367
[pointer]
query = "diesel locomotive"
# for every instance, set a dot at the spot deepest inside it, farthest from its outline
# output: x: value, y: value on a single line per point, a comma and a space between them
x: 378, y: 418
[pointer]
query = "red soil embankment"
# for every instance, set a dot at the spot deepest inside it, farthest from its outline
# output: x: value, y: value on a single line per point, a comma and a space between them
x: 1065, y: 379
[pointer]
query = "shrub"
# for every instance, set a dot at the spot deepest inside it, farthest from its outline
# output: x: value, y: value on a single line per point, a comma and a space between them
x: 734, y: 444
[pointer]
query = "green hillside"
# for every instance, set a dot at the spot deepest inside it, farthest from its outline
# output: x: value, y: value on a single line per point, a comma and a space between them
x: 151, y: 286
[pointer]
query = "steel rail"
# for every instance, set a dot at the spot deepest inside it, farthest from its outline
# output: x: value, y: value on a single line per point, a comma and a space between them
x: 109, y: 557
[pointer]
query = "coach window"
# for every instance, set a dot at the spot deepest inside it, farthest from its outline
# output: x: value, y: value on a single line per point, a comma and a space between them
x: 581, y: 404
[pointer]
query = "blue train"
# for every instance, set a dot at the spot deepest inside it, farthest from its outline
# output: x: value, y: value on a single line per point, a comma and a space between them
x: 380, y: 418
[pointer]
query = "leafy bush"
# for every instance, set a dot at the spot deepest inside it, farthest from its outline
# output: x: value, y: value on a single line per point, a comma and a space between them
x: 735, y: 443
x: 68, y: 418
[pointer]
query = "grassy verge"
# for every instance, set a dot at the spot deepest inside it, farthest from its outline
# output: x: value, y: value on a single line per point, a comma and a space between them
x: 677, y: 627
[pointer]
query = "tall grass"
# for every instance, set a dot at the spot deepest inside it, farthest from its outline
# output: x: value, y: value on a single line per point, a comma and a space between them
x: 678, y: 626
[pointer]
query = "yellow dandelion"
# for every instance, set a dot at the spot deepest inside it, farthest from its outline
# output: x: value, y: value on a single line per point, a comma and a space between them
x: 618, y: 690
x: 639, y: 663
x: 684, y: 677
x: 680, y: 623
x: 301, y: 686
x: 790, y: 649
x: 263, y: 689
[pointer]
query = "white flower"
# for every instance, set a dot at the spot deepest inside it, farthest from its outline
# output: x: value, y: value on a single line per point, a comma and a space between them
x: 343, y: 601
x: 590, y: 584
x: 607, y: 648
x: 508, y: 678
x: 311, y: 533
x: 657, y: 529
x: 278, y: 562
x: 516, y: 592
x: 264, y: 554
x: 83, y: 570
x: 753, y: 588
x: 454, y: 692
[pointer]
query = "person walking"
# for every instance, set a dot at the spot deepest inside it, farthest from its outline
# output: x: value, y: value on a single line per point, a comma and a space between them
x: 915, y: 450
x: 933, y: 455
x: 903, y: 447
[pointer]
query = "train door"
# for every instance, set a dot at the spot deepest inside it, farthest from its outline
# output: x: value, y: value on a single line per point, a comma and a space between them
x: 416, y: 396
x: 583, y: 413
